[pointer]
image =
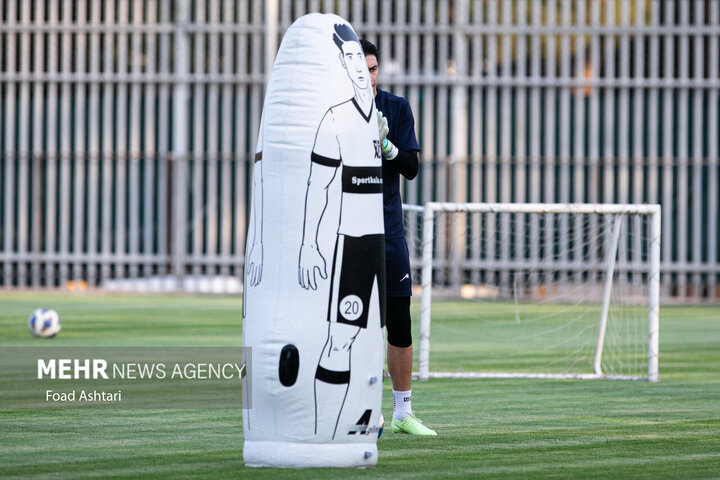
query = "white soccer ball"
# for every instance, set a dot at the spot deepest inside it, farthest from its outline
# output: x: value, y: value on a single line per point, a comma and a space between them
x: 44, y: 323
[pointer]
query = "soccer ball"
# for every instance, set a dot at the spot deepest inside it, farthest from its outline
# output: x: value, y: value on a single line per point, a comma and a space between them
x: 382, y: 425
x: 44, y: 323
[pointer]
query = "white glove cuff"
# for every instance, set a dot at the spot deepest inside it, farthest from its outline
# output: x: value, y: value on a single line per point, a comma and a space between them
x: 389, y: 150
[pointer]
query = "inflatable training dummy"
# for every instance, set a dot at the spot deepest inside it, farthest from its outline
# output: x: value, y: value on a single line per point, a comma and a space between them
x: 314, y: 285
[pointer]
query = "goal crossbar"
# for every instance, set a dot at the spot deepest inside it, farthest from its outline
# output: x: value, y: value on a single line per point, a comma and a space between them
x: 653, y: 210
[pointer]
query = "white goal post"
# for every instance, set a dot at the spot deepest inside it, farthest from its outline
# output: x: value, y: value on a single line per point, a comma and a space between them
x: 613, y: 216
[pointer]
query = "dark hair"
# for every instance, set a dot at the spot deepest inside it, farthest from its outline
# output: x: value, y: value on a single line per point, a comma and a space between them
x: 369, y: 49
x: 343, y: 33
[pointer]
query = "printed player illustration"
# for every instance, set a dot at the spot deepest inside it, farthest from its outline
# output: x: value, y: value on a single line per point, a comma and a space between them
x: 357, y: 277
x: 314, y: 267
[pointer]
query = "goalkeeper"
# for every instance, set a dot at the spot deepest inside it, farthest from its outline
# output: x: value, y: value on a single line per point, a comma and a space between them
x: 400, y: 157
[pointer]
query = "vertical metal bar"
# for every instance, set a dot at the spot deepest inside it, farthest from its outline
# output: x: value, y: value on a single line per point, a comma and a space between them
x: 427, y: 140
x: 696, y: 187
x: 623, y: 114
x: 150, y: 157
x: 94, y: 148
x: 357, y: 13
x: 594, y: 133
x: 9, y: 130
x: 181, y: 104
x: 79, y: 227
x: 242, y: 156
x: 286, y: 15
x: 506, y: 93
x: 521, y: 126
x: 226, y: 118
x: 623, y: 121
x: 712, y: 155
x: 399, y: 39
x: 608, y: 171
x: 199, y: 157
x: 412, y: 65
x: 164, y: 127
x: 23, y: 188
x: 211, y: 121
x: 535, y: 146
x: 476, y: 174
x: 136, y: 134
x: 52, y: 158
x: 443, y: 248
x: 491, y: 148
x: 121, y: 145
x: 681, y: 226
x: 5, y: 252
x: 37, y: 185
x: 343, y: 9
x: 108, y: 139
x: 564, y: 188
x: 579, y: 148
x: 506, y: 133
x: 271, y: 36
x: 256, y: 90
x: 427, y: 167
x: 65, y: 148
x: 393, y: 45
x: 372, y: 20
x: 458, y: 139
x: 299, y: 9
x: 668, y: 137
x: 385, y: 40
x: 550, y: 152
x: 413, y: 58
x: 640, y: 128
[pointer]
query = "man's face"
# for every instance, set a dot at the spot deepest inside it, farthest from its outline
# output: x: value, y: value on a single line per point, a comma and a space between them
x: 354, y: 62
x: 372, y: 65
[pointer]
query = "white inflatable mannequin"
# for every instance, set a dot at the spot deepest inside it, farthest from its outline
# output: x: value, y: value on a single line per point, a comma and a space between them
x: 314, y: 286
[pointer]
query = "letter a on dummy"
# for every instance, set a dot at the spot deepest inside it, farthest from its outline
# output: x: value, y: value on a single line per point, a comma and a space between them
x: 313, y: 310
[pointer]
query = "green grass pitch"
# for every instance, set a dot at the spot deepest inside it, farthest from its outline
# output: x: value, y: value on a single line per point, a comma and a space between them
x: 487, y: 428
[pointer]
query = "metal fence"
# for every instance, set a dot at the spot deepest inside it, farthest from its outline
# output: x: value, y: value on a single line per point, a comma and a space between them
x: 127, y: 127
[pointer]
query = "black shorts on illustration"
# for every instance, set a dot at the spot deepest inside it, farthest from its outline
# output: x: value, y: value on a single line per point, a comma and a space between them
x: 361, y: 261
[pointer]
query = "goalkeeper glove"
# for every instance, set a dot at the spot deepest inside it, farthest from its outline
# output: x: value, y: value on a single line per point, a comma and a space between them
x: 389, y: 150
x: 383, y: 128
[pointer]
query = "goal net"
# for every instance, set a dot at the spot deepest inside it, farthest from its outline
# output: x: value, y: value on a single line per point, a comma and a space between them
x: 536, y: 290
